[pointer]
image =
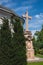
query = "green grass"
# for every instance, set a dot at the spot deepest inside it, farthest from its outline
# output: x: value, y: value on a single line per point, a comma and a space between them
x: 39, y: 55
x: 35, y: 63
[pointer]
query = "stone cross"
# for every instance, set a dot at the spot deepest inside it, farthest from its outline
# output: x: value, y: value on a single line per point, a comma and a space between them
x: 26, y: 17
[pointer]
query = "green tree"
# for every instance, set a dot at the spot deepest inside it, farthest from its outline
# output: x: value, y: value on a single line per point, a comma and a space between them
x: 0, y: 36
x: 12, y: 49
x: 38, y: 42
x: 5, y: 45
x: 19, y: 44
x: 40, y: 38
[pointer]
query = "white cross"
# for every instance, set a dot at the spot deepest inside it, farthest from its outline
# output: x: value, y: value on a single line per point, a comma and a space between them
x: 26, y: 17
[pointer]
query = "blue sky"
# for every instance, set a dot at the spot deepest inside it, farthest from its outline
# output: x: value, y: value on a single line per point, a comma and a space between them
x: 35, y: 9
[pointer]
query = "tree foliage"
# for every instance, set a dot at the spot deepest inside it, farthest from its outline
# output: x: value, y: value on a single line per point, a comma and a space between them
x: 19, y: 44
x: 5, y: 45
x: 12, y: 49
x: 38, y: 42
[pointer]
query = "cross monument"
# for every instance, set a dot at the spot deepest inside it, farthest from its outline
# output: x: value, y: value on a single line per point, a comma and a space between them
x: 28, y: 36
x: 26, y: 17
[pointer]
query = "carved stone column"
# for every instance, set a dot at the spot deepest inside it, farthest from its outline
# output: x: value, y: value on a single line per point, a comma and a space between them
x: 29, y: 45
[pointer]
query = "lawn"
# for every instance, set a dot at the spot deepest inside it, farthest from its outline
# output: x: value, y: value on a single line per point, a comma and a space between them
x: 39, y: 55
x: 35, y: 63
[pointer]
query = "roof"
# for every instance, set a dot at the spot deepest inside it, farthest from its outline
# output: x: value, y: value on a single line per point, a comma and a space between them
x: 9, y: 12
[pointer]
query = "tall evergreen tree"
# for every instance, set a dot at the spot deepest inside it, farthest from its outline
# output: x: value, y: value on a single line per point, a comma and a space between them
x: 12, y: 50
x: 0, y: 36
x: 5, y: 45
x: 19, y: 44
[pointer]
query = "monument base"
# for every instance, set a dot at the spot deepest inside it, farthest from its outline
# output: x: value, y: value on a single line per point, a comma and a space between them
x: 29, y: 45
x: 36, y: 59
x: 30, y: 54
x: 29, y: 50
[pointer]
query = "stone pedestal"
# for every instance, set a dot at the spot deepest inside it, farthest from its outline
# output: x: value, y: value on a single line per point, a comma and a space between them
x: 29, y: 45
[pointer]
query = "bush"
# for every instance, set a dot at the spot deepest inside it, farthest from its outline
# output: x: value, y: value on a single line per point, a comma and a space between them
x: 41, y: 51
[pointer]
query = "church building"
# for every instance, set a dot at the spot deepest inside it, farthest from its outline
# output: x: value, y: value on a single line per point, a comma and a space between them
x: 6, y: 12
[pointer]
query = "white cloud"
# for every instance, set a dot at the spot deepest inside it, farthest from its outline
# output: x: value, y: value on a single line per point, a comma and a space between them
x: 28, y: 2
x: 33, y: 32
x: 2, y: 1
x: 39, y: 15
x: 32, y: 1
x: 23, y: 8
x: 11, y: 5
x: 8, y: 3
x: 36, y: 23
x: 6, y: 0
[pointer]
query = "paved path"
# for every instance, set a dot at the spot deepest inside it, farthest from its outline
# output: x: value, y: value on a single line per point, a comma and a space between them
x: 35, y: 60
